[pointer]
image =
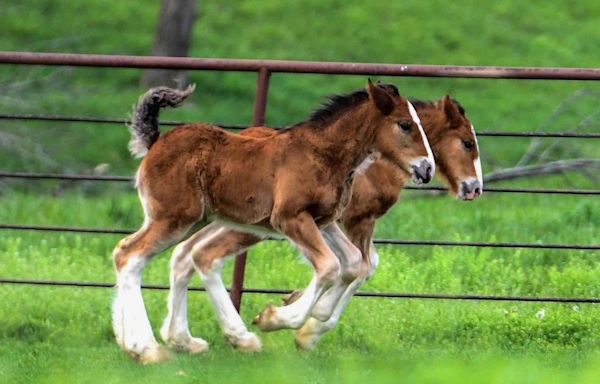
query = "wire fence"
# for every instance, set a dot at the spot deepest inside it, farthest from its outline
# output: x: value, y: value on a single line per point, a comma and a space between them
x: 127, y: 179
x: 264, y: 68
x: 387, y: 295
x: 427, y: 243
x: 121, y: 121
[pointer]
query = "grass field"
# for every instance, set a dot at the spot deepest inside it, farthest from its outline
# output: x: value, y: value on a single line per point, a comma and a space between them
x: 56, y: 335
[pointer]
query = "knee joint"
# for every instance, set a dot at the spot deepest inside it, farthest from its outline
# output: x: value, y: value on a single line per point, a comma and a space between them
x: 331, y: 271
x: 354, y: 267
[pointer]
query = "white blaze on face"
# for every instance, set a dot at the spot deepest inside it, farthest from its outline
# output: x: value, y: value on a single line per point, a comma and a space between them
x: 477, y: 161
x: 417, y: 120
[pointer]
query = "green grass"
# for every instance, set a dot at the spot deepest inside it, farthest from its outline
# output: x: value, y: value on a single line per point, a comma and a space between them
x: 60, y: 335
x: 61, y: 330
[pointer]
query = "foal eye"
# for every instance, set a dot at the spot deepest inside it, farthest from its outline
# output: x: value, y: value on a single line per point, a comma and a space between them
x: 405, y: 125
x: 468, y: 145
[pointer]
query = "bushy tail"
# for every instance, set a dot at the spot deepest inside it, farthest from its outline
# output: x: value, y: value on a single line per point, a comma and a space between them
x: 144, y: 120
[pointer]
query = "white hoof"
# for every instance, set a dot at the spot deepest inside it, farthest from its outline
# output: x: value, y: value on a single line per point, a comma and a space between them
x: 309, y: 335
x: 197, y: 345
x: 152, y: 355
x: 247, y: 343
x: 193, y: 345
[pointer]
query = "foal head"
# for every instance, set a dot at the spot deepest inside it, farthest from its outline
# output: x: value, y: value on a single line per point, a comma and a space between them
x: 455, y: 148
x: 400, y: 137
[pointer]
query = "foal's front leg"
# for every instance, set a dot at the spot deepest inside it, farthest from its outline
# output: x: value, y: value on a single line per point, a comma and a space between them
x: 304, y: 233
x: 311, y: 332
x: 361, y: 234
x: 350, y: 259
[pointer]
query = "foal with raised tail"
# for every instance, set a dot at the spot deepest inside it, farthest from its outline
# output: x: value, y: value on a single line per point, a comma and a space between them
x: 295, y: 182
x: 375, y: 191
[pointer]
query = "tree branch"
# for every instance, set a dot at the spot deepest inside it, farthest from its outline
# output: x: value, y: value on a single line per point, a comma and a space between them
x: 542, y: 169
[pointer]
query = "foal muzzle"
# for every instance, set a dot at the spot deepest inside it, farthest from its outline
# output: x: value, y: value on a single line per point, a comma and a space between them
x: 470, y: 189
x: 422, y: 171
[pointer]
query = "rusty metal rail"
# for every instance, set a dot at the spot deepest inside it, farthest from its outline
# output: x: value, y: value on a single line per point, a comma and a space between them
x: 334, y: 68
x: 264, y: 68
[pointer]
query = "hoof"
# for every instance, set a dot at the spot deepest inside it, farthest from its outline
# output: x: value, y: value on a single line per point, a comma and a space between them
x: 185, y: 343
x: 153, y: 355
x: 247, y: 343
x: 197, y: 345
x: 291, y: 297
x: 306, y: 341
x: 193, y: 345
x: 267, y: 321
x: 309, y: 335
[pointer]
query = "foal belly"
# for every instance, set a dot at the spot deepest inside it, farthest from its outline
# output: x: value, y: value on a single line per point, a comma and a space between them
x: 241, y: 195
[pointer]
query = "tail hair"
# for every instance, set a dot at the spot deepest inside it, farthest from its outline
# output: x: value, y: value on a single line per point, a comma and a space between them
x: 144, y: 119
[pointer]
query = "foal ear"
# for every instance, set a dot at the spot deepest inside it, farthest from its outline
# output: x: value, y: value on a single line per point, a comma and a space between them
x: 451, y: 111
x: 381, y: 98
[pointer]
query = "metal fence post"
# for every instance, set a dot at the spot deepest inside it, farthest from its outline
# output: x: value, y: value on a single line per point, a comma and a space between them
x: 260, y: 106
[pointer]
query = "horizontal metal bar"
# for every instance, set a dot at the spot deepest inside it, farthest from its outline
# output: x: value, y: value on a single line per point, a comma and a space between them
x: 441, y: 243
x: 389, y: 295
x: 483, y: 244
x: 124, y: 61
x: 543, y: 191
x: 63, y: 176
x: 52, y: 228
x: 112, y: 120
x: 75, y: 119
x: 550, y: 135
x: 59, y: 176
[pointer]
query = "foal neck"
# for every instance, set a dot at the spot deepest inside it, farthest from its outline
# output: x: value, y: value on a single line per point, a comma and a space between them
x: 349, y: 138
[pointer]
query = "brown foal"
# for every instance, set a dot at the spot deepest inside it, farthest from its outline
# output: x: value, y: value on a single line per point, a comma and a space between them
x: 375, y: 191
x: 295, y: 182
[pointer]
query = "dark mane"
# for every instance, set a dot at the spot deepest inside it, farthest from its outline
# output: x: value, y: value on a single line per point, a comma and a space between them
x: 430, y: 104
x: 422, y: 103
x: 336, y: 105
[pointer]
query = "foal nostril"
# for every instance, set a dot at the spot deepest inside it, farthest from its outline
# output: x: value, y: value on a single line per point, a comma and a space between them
x: 476, y: 188
x: 424, y: 171
x: 466, y: 188
x: 428, y: 173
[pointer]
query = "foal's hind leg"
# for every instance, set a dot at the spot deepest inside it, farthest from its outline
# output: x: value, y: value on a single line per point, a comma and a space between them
x: 209, y: 254
x: 130, y: 320
x: 205, y: 251
x: 175, y: 330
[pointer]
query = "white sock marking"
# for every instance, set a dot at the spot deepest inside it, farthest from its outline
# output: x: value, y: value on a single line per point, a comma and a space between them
x: 175, y: 329
x: 130, y: 320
